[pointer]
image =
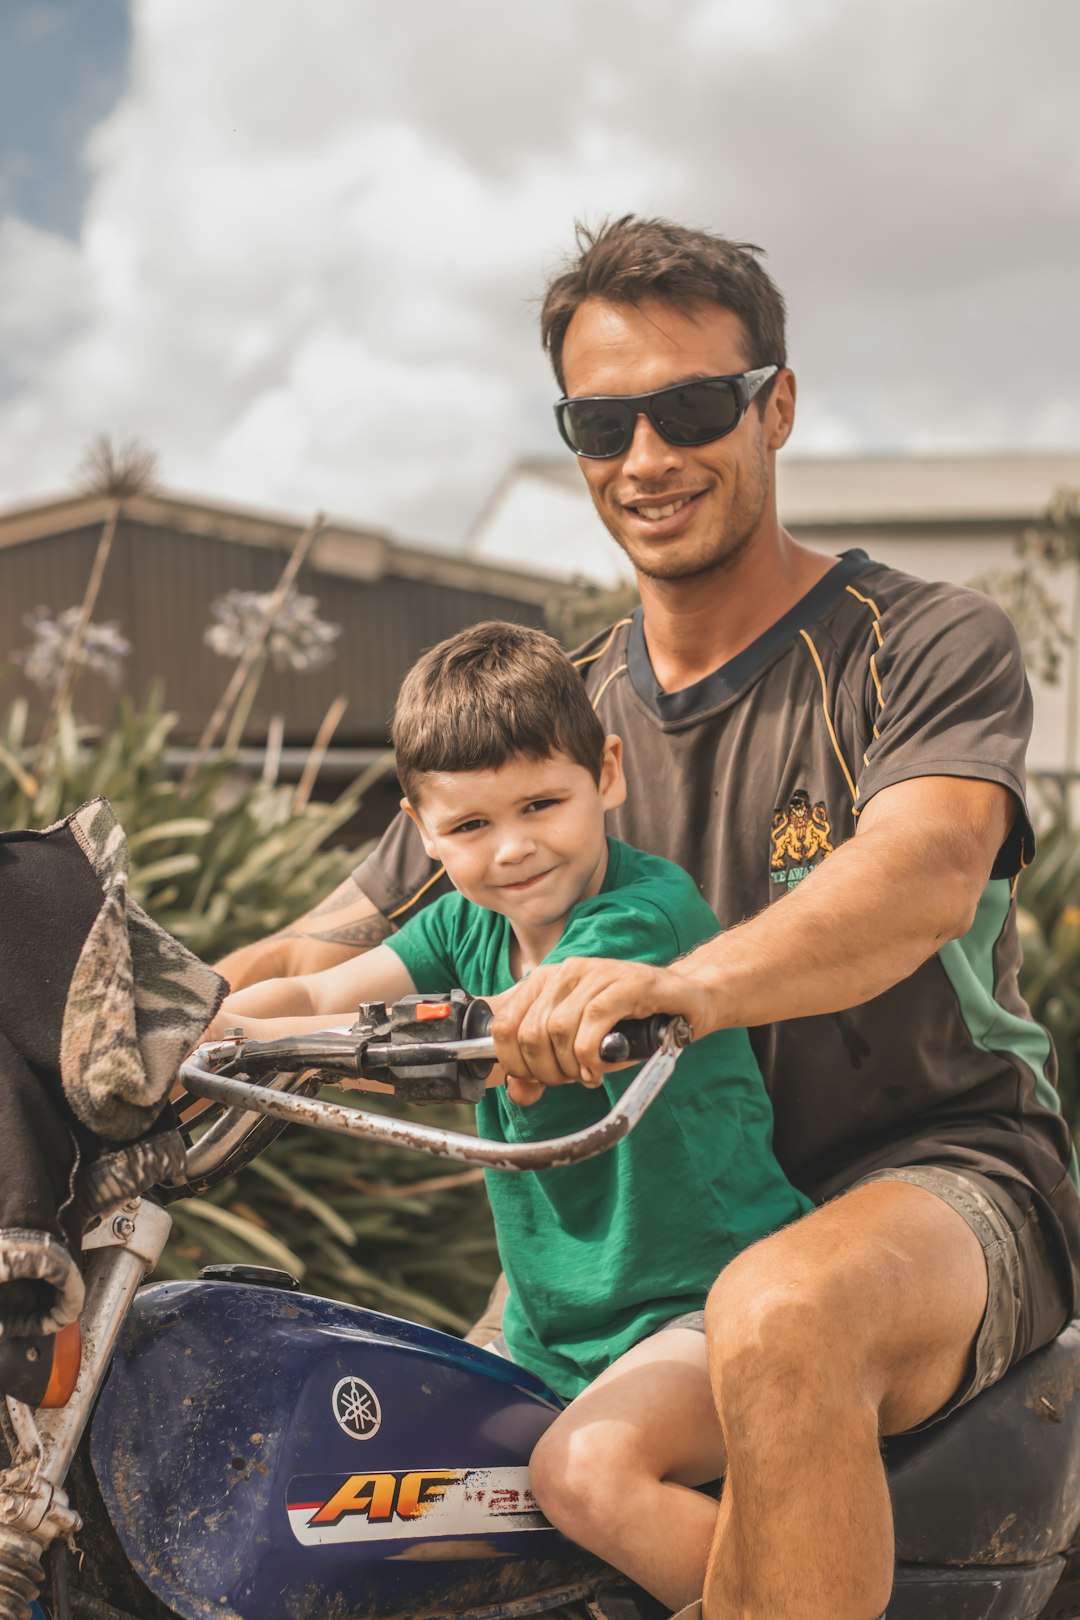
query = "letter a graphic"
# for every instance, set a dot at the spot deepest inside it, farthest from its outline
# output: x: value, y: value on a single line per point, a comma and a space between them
x: 369, y: 1494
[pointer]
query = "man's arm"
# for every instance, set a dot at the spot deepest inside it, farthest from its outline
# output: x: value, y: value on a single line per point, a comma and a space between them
x: 866, y: 918
x: 342, y: 926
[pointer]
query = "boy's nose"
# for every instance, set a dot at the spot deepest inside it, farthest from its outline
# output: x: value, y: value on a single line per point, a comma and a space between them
x: 513, y: 846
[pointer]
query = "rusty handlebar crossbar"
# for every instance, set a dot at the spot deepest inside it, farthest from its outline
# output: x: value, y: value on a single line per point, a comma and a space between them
x: 308, y: 1052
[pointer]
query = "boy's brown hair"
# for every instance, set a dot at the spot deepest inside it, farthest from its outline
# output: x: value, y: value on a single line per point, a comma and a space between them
x: 629, y: 260
x: 491, y: 694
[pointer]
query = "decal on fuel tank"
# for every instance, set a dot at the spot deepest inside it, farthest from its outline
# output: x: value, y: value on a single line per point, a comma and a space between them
x: 393, y: 1506
x: 356, y: 1408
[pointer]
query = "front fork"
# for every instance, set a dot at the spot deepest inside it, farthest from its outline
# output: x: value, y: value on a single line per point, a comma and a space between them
x: 124, y: 1245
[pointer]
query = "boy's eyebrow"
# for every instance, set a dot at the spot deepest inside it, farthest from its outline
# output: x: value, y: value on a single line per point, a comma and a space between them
x: 480, y: 811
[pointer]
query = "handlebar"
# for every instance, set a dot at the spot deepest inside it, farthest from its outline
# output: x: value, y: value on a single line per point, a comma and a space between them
x: 632, y: 1041
x: 371, y: 1051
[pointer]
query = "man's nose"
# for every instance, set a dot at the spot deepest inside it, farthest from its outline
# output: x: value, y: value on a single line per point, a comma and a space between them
x: 650, y: 457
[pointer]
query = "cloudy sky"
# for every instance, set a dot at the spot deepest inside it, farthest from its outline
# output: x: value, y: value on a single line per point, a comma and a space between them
x: 297, y: 248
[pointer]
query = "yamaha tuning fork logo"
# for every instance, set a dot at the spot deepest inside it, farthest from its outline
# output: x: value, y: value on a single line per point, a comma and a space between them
x: 356, y: 1408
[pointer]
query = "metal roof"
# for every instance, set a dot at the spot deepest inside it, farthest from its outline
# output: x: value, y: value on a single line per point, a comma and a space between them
x: 343, y: 549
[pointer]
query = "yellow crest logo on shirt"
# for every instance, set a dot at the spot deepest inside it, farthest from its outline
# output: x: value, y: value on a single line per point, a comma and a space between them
x: 800, y: 838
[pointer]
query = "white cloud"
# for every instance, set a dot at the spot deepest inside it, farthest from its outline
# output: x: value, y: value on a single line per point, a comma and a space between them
x: 41, y: 298
x: 312, y: 240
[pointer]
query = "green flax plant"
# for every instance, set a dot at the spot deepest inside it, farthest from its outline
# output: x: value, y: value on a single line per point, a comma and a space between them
x: 221, y: 860
x: 1048, y: 625
x: 1049, y: 919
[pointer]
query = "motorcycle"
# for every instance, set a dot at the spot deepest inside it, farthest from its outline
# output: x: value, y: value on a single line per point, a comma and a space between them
x: 235, y: 1447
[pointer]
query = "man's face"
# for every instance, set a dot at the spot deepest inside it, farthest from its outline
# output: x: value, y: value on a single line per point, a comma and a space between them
x: 676, y: 512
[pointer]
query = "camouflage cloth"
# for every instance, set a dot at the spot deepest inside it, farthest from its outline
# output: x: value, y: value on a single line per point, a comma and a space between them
x: 137, y: 1002
x: 98, y: 1007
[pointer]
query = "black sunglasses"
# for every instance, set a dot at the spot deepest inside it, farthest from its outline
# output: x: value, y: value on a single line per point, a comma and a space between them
x: 685, y: 414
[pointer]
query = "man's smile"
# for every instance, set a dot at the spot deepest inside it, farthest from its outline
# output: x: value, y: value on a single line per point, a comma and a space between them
x: 653, y: 512
x: 662, y: 515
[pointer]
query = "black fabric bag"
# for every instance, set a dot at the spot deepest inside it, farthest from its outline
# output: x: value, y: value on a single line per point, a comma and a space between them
x: 98, y: 1006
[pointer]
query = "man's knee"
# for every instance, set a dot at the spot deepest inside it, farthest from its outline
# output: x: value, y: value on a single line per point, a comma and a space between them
x: 769, y: 1303
x: 780, y: 1334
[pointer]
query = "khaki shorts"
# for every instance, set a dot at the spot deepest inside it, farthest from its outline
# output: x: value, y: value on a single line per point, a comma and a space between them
x: 1017, y: 1265
x: 1026, y: 1303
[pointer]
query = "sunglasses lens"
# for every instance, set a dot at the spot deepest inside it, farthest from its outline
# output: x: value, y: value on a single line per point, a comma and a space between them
x: 696, y: 412
x: 595, y: 427
x: 689, y: 413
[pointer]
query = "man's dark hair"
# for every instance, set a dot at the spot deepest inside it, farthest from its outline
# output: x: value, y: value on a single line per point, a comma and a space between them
x: 628, y: 260
x: 491, y: 694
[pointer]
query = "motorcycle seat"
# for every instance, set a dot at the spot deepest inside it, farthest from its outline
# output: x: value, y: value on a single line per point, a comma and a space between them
x: 997, y: 1482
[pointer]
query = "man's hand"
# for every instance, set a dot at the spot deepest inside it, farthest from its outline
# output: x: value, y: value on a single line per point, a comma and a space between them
x: 550, y: 1026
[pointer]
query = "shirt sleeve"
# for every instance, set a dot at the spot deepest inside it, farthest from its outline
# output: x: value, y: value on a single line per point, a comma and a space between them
x: 399, y: 877
x: 620, y: 925
x: 947, y: 696
x: 424, y: 946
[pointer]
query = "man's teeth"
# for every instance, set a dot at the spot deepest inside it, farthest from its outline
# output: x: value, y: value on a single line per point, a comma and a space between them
x: 654, y: 512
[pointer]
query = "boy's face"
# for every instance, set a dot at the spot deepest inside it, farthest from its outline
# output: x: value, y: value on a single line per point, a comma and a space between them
x: 526, y: 840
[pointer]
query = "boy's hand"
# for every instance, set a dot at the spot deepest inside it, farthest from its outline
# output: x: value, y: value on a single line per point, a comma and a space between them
x: 522, y: 1092
x: 215, y: 1029
x: 548, y: 1029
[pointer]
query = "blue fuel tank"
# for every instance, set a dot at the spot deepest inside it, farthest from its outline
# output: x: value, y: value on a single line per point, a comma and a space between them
x: 268, y: 1455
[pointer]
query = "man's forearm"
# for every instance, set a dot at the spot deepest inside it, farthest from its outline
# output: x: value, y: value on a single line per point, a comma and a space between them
x: 251, y: 964
x: 876, y: 908
x: 824, y: 948
x: 345, y: 924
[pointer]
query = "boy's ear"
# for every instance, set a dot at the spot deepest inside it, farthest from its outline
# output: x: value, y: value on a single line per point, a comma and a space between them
x: 425, y: 840
x: 612, y: 780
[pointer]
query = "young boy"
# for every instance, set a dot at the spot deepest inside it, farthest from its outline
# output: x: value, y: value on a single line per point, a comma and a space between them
x: 507, y: 774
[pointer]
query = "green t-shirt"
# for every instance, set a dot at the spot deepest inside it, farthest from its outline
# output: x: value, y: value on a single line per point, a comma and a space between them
x: 599, y: 1254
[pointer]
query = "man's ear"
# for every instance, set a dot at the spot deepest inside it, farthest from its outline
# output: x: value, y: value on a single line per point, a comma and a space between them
x: 780, y: 410
x: 424, y: 839
x: 612, y: 781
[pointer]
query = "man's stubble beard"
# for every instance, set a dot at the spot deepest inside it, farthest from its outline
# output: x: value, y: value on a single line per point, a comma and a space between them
x: 719, y: 553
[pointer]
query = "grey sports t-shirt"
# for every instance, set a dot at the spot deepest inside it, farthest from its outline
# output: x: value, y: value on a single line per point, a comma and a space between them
x: 752, y: 777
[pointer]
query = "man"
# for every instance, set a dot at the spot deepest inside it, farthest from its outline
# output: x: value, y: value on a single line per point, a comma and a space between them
x: 835, y: 752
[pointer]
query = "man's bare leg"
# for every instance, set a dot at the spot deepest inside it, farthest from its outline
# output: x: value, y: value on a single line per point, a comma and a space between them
x: 855, y: 1322
x: 613, y: 1470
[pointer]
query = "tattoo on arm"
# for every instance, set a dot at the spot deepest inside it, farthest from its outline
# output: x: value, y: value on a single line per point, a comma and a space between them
x: 363, y: 932
x: 346, y: 894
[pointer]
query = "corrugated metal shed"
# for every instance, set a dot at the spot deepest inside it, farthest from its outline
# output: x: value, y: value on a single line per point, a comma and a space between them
x: 172, y: 557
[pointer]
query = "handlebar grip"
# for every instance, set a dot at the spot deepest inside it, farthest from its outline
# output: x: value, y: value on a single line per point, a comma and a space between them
x: 477, y: 1022
x: 634, y: 1039
x: 631, y: 1041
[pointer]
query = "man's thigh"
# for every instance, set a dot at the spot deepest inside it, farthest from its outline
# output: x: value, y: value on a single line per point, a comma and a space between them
x: 653, y: 1410
x: 883, y: 1288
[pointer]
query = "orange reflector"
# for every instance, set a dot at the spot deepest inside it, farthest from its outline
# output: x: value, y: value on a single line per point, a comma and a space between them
x: 67, y: 1358
x: 428, y: 1011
